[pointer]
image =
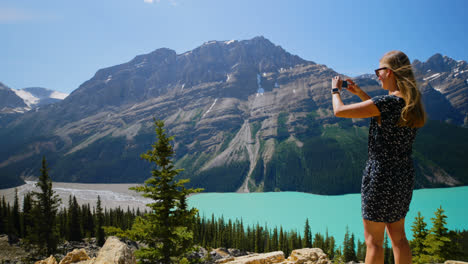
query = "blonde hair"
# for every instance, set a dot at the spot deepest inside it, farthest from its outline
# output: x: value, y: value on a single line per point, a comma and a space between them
x: 413, y: 114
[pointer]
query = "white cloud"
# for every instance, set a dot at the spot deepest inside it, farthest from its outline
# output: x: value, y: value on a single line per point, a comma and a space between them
x: 148, y: 1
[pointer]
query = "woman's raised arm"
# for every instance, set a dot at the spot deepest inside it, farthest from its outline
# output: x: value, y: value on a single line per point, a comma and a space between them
x: 357, y: 110
x: 364, y: 109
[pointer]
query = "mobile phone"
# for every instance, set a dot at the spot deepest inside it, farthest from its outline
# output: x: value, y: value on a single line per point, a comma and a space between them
x: 344, y: 84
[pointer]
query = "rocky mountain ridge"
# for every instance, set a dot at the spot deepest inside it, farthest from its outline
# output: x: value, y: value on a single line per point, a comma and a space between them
x: 247, y: 110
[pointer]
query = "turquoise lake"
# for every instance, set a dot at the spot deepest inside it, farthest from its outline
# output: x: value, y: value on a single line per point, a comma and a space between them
x: 290, y: 209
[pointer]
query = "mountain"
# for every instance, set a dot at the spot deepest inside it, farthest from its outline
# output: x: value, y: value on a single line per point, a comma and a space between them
x: 444, y: 84
x: 23, y: 100
x: 246, y: 115
x: 10, y: 102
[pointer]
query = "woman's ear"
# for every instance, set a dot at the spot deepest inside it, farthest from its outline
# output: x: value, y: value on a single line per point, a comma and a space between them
x: 390, y: 73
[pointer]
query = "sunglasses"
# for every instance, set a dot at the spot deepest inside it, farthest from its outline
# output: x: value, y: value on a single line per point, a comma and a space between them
x: 377, y: 70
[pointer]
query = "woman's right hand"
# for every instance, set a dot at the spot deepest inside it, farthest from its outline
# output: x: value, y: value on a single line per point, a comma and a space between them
x: 353, y: 87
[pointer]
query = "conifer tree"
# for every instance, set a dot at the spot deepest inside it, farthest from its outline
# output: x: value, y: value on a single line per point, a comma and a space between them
x: 307, y: 241
x: 3, y: 216
x: 63, y: 223
x: 281, y: 240
x: 419, y: 236
x: 326, y: 242
x: 44, y: 231
x: 349, y: 253
x: 100, y: 239
x: 331, y: 248
x: 388, y: 253
x: 437, y: 242
x: 338, y: 256
x: 267, y: 240
x: 27, y: 222
x: 319, y: 242
x: 359, y: 252
x: 274, y: 243
x: 166, y: 229
x: 353, y: 247
x: 74, y: 221
x: 88, y: 221
x: 16, y: 216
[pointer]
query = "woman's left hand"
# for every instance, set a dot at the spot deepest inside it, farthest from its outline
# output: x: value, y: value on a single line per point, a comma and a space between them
x: 337, y: 82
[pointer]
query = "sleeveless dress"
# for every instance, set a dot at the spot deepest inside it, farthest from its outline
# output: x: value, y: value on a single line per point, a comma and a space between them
x: 388, y: 178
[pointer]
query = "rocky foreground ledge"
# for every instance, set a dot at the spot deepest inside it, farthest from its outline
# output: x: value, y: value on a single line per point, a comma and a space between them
x: 118, y: 252
x: 115, y: 251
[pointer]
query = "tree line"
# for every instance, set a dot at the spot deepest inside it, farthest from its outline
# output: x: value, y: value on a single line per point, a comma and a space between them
x: 76, y: 222
x: 170, y: 230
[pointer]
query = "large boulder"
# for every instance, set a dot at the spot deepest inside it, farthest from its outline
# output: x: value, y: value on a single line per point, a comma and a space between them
x: 49, y: 260
x: 298, y: 256
x: 114, y: 251
x: 265, y: 258
x: 77, y: 255
x: 308, y: 255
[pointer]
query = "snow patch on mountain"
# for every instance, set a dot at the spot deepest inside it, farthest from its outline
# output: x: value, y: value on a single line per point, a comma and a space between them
x: 28, y: 98
x: 210, y: 107
x: 58, y: 95
x: 432, y: 77
x: 36, y: 96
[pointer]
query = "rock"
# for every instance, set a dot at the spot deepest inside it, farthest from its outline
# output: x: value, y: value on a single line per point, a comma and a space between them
x: 236, y: 252
x: 298, y: 256
x: 114, y: 251
x: 76, y: 255
x: 198, y: 254
x: 455, y: 262
x: 308, y: 255
x: 265, y: 258
x: 220, y: 253
x: 49, y: 260
x: 89, y: 245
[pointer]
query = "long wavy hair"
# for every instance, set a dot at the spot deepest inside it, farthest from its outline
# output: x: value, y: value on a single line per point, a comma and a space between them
x: 413, y: 114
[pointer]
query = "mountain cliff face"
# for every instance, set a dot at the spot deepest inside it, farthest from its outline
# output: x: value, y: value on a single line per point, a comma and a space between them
x: 444, y: 83
x: 246, y: 115
x: 9, y: 101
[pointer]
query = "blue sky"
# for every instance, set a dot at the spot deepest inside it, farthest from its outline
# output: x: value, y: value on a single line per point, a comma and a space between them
x: 60, y: 44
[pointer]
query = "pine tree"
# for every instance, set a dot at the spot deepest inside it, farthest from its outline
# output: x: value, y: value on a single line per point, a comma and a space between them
x: 27, y: 222
x: 100, y: 239
x: 326, y: 242
x: 388, y: 253
x: 274, y: 243
x: 331, y: 248
x: 360, y: 254
x: 3, y: 216
x: 44, y: 231
x: 319, y: 241
x: 16, y: 216
x: 281, y: 245
x: 167, y: 229
x: 349, y: 253
x: 338, y: 256
x: 74, y: 221
x: 419, y: 235
x: 307, y: 241
x: 437, y: 242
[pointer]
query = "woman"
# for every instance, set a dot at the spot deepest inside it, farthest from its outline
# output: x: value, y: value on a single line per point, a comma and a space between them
x: 388, y: 179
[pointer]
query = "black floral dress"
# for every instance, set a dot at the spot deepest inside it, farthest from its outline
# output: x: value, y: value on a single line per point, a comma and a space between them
x: 388, y: 179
